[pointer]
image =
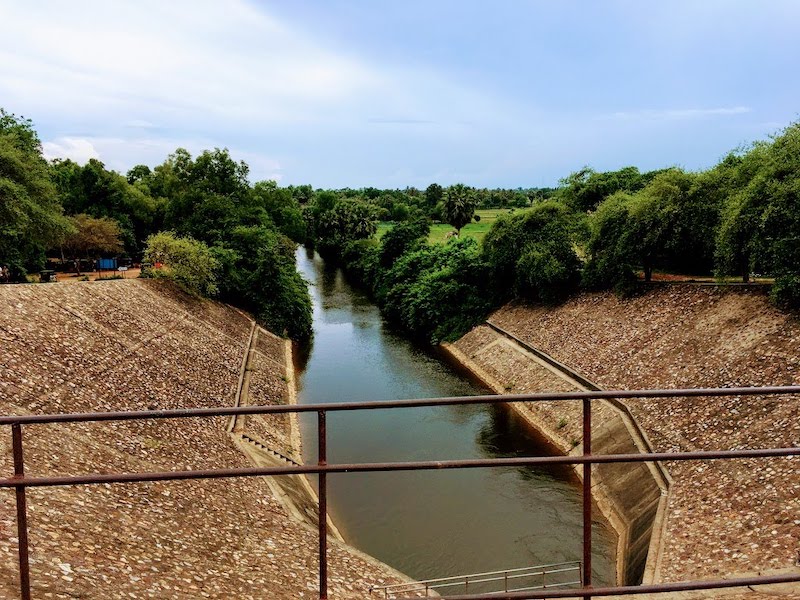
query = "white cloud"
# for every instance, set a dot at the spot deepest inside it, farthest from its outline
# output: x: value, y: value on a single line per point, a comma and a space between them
x: 188, y: 62
x: 227, y: 61
x: 140, y: 77
x: 681, y: 113
x: 77, y: 149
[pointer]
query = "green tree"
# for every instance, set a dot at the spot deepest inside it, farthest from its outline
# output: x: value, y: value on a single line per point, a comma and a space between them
x: 259, y: 274
x: 139, y: 173
x: 437, y: 292
x: 31, y: 217
x: 584, y: 190
x: 91, y: 238
x: 674, y: 222
x: 347, y: 220
x: 434, y: 194
x: 670, y: 224
x: 532, y: 254
x: 761, y: 222
x: 209, y: 196
x: 98, y: 192
x: 188, y: 262
x: 458, y: 206
x: 302, y: 193
x: 402, y: 238
x: 611, y: 251
x: 282, y: 208
x: 738, y: 250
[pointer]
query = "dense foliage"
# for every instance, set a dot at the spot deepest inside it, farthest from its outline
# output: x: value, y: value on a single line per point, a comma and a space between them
x: 258, y: 273
x: 97, y: 192
x: 245, y: 227
x: 437, y: 292
x: 185, y: 260
x: 598, y: 231
x: 30, y: 213
x: 760, y: 230
x: 532, y: 254
x: 339, y: 221
x: 220, y: 235
x: 214, y: 232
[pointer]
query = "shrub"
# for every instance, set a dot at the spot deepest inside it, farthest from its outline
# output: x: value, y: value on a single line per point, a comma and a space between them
x: 188, y: 262
x: 437, y: 292
x: 786, y: 291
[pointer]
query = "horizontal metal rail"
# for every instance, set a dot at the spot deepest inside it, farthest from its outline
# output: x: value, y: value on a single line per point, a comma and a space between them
x: 20, y: 481
x: 630, y: 590
x: 422, y: 465
x: 537, y: 568
x: 183, y: 413
x: 505, y: 575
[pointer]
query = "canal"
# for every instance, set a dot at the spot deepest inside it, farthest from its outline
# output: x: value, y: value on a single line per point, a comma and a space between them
x: 434, y: 523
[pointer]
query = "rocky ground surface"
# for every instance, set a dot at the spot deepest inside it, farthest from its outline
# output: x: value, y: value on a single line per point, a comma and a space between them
x: 136, y: 344
x: 724, y: 516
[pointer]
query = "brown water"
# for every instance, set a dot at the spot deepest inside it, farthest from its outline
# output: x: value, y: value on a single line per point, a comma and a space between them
x: 436, y: 523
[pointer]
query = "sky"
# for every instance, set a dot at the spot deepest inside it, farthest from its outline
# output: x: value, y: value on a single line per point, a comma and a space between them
x: 392, y: 94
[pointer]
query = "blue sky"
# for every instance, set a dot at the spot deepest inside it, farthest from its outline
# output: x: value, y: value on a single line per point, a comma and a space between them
x: 357, y: 93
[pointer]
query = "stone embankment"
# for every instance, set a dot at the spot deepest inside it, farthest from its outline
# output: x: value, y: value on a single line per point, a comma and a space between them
x: 723, y: 518
x: 135, y: 344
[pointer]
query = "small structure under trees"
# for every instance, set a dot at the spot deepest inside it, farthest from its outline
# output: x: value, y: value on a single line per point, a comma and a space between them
x: 90, y: 238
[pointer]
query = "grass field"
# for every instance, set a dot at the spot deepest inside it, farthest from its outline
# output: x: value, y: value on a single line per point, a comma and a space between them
x: 474, y: 230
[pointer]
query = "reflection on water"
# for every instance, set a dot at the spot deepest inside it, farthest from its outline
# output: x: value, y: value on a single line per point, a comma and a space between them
x: 428, y: 524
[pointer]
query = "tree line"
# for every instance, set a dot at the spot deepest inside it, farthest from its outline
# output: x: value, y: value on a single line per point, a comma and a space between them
x: 597, y: 231
x: 217, y: 234
x: 214, y: 233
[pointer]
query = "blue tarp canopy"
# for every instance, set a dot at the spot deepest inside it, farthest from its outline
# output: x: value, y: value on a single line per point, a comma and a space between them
x: 106, y: 264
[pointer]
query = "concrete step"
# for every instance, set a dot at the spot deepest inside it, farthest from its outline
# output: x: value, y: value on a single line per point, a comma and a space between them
x: 264, y: 448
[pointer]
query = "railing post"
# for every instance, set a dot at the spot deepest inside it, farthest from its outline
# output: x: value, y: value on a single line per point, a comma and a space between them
x: 587, y: 496
x: 322, y: 460
x: 22, y: 514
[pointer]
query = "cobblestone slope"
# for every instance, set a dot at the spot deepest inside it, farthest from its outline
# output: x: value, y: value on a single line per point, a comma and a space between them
x: 724, y: 516
x: 136, y: 344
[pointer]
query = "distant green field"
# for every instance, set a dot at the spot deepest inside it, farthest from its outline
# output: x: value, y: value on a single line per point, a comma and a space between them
x: 474, y: 230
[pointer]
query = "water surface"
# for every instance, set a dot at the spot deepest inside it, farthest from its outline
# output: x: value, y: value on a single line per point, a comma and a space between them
x: 437, y: 523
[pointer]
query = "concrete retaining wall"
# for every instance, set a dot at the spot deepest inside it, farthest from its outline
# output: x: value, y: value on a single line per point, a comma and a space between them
x: 633, y: 498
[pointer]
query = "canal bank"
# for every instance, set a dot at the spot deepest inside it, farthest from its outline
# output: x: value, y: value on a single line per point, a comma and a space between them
x: 733, y: 517
x: 632, y: 498
x: 429, y: 524
x: 142, y: 344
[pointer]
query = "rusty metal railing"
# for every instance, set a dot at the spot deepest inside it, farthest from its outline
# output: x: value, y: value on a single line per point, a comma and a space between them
x: 511, y: 580
x: 20, y: 481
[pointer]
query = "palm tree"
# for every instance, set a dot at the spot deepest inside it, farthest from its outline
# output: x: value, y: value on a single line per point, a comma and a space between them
x: 459, y: 206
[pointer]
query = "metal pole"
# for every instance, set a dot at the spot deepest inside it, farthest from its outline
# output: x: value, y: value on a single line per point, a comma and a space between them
x: 322, y: 460
x: 22, y: 514
x: 587, y: 496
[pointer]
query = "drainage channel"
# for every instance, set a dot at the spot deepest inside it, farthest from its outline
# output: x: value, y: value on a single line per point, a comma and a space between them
x: 429, y: 525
